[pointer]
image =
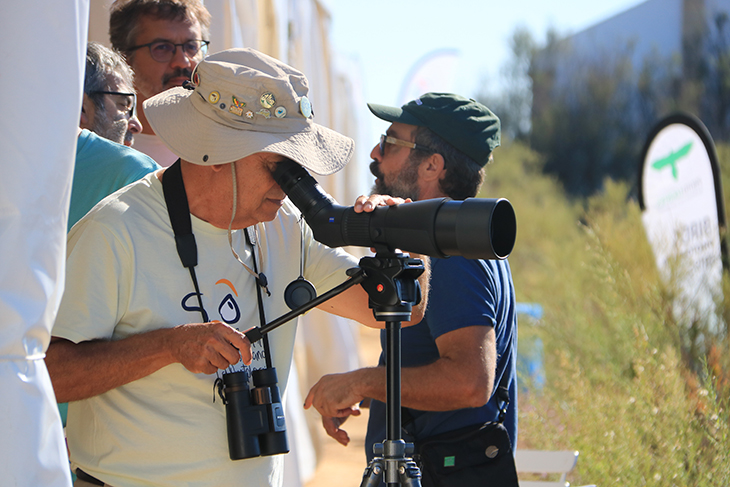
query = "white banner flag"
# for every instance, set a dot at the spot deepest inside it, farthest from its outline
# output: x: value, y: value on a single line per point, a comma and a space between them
x: 683, y: 213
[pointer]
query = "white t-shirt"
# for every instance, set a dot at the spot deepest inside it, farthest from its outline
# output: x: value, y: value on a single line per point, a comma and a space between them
x: 124, y: 277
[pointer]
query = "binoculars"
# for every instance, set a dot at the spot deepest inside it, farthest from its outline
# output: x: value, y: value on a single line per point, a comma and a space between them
x: 254, y: 417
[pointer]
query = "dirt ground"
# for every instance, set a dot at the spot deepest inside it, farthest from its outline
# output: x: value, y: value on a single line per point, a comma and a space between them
x: 342, y: 466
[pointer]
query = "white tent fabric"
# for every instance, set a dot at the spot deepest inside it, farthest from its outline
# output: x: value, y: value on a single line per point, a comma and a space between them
x: 40, y: 93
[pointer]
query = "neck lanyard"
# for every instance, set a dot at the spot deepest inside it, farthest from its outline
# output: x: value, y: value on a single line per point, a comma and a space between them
x: 178, y: 209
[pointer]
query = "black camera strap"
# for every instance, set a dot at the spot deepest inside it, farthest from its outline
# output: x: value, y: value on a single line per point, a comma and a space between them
x: 262, y: 317
x: 173, y: 187
x: 503, y: 395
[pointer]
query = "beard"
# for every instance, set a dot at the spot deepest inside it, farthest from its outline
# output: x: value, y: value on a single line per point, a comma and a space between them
x: 129, y: 139
x: 114, y: 130
x: 404, y: 185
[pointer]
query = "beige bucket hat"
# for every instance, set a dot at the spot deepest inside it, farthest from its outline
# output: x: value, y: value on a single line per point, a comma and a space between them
x: 240, y: 102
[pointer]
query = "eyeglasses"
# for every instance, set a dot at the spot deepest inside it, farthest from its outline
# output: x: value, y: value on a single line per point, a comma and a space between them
x: 385, y: 139
x: 128, y: 104
x: 164, y: 51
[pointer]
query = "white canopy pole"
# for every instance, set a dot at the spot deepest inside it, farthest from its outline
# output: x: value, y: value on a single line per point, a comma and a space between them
x: 41, y: 72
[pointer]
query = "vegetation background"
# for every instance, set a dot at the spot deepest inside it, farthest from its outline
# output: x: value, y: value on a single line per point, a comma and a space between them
x: 643, y: 400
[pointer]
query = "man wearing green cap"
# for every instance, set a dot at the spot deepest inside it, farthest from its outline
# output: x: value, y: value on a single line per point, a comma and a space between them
x: 454, y: 359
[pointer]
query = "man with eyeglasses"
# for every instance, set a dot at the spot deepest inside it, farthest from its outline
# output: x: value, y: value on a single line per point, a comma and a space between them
x: 454, y: 359
x: 163, y: 41
x: 108, y: 120
x: 108, y: 107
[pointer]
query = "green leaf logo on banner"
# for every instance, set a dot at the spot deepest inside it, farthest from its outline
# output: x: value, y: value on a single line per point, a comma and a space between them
x: 671, y: 160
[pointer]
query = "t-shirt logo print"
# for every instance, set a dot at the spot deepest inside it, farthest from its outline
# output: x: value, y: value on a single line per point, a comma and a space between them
x: 228, y: 309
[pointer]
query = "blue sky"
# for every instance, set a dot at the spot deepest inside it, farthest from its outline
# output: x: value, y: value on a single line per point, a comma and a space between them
x: 384, y: 39
x: 387, y: 37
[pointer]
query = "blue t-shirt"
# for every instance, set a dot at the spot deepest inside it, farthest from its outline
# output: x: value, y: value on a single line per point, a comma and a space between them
x: 101, y: 168
x: 463, y: 293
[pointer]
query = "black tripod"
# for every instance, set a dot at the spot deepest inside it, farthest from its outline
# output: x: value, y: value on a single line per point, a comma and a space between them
x: 392, y: 462
x: 391, y: 281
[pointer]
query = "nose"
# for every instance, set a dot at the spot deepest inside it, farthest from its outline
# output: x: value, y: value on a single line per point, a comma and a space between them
x: 375, y: 153
x: 180, y: 59
x: 134, y: 125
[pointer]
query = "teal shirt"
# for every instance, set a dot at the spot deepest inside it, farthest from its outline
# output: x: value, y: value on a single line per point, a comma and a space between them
x: 101, y: 168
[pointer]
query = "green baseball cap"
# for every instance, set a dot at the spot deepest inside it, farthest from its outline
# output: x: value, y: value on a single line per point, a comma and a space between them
x: 464, y: 123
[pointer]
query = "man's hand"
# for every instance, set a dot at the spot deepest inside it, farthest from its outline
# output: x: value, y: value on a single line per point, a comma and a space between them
x: 336, y: 397
x: 368, y: 203
x: 332, y: 427
x: 207, y: 347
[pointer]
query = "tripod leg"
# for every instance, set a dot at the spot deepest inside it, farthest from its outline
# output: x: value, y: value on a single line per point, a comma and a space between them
x: 373, y: 473
x: 410, y: 474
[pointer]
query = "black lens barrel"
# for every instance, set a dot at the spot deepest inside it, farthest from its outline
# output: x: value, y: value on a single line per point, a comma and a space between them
x: 474, y: 228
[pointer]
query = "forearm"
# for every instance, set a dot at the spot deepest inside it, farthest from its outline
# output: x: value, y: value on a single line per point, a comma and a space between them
x: 439, y: 386
x: 83, y: 370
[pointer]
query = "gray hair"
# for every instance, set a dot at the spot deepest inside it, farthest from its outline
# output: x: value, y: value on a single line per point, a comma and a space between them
x: 101, y: 64
x: 464, y: 176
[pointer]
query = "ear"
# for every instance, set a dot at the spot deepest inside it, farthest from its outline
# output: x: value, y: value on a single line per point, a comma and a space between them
x: 87, y: 112
x: 432, y: 168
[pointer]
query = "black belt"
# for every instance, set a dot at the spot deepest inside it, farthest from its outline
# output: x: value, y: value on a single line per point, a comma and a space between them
x: 81, y: 475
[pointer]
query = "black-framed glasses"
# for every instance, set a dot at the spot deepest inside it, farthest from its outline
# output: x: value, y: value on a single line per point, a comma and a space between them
x: 386, y: 139
x: 164, y: 51
x: 128, y: 104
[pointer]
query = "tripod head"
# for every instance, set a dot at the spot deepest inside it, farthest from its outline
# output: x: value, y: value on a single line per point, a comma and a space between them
x: 392, y: 284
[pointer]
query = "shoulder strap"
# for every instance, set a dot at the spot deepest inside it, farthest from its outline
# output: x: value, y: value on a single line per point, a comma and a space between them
x: 176, y: 200
x: 177, y: 207
x: 503, y: 395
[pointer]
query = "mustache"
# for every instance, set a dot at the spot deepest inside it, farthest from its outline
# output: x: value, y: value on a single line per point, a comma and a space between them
x: 375, y: 170
x: 177, y: 73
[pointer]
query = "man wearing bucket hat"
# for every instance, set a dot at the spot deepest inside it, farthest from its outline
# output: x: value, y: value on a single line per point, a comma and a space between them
x: 453, y: 360
x: 140, y: 340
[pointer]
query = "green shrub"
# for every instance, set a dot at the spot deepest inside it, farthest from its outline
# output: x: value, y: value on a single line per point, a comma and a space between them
x: 622, y: 386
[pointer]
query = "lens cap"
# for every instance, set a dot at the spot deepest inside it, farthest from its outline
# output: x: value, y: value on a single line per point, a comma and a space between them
x: 299, y: 293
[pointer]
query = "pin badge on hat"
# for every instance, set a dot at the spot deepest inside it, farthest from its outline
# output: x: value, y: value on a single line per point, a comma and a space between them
x: 268, y: 100
x: 214, y: 97
x: 280, y: 112
x: 305, y: 107
x: 249, y: 114
x: 265, y: 113
x: 237, y: 107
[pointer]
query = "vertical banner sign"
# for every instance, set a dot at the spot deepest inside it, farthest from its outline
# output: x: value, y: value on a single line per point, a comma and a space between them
x: 436, y: 71
x: 681, y: 198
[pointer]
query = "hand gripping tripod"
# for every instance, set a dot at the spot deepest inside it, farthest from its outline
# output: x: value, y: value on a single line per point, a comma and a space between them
x: 390, y: 279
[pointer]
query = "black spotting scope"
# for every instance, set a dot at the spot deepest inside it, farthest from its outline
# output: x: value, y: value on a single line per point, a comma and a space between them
x: 474, y: 228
